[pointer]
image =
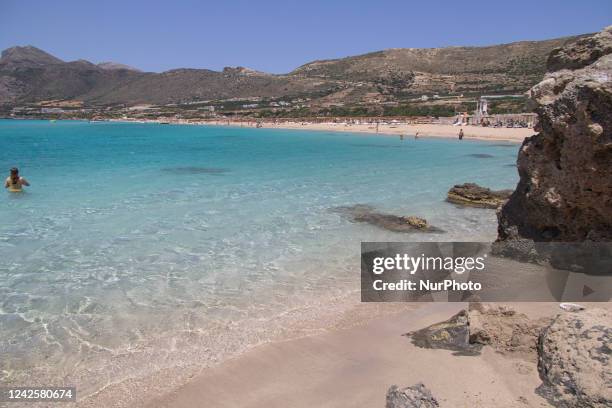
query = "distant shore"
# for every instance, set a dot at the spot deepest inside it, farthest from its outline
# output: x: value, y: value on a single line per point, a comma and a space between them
x: 514, y: 135
x: 408, y: 130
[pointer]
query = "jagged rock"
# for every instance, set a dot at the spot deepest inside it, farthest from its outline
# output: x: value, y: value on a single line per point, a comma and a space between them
x: 565, y: 187
x: 395, y: 223
x: 417, y: 396
x: 574, y: 359
x: 581, y: 53
x: 452, y: 334
x: 505, y: 330
x: 473, y: 195
x: 499, y: 327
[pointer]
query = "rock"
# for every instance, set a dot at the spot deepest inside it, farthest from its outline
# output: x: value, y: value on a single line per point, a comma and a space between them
x: 574, y: 359
x: 499, y: 327
x: 416, y: 222
x: 473, y: 195
x: 452, y: 334
x: 505, y: 330
x: 395, y: 223
x: 581, y: 53
x: 417, y: 396
x: 571, y: 307
x: 565, y: 188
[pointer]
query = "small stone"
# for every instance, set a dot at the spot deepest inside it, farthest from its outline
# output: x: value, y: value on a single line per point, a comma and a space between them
x: 416, y: 396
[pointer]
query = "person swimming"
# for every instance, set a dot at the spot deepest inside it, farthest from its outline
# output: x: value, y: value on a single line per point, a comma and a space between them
x: 14, y: 183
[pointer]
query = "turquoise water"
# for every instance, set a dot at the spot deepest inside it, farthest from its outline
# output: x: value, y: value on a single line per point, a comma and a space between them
x: 142, y: 246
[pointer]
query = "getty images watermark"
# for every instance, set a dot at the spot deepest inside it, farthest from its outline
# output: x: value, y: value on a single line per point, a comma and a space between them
x: 413, y: 264
x: 470, y: 271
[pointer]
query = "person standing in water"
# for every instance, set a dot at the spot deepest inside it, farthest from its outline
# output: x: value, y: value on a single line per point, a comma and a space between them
x: 14, y: 183
x: 460, y: 134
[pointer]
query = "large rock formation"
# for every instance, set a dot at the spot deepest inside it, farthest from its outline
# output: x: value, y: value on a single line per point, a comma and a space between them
x: 565, y: 187
x: 473, y: 195
x: 574, y: 359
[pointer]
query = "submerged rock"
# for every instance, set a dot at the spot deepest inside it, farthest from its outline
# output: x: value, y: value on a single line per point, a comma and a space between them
x: 473, y: 195
x: 395, y: 223
x: 574, y: 359
x: 481, y: 155
x: 416, y: 396
x: 565, y: 188
x: 191, y: 170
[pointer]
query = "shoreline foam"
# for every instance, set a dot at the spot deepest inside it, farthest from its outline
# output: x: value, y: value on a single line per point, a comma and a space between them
x: 327, y: 315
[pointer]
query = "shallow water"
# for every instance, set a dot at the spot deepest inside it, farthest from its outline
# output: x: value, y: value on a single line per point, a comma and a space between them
x: 142, y: 246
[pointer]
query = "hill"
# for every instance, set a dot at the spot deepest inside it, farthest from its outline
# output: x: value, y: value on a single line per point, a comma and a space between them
x: 29, y: 75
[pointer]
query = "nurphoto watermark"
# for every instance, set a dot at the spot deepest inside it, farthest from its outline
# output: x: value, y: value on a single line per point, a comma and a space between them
x: 474, y: 271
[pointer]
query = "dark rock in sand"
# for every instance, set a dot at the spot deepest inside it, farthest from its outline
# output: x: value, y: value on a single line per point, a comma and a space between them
x: 574, y: 354
x: 499, y: 327
x: 565, y: 188
x: 395, y: 223
x: 473, y: 195
x: 417, y: 396
x: 452, y: 334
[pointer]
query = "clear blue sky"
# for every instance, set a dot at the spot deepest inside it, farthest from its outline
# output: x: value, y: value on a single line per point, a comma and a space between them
x: 278, y: 36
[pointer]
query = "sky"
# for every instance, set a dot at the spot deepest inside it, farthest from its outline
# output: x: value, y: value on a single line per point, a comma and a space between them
x: 279, y: 36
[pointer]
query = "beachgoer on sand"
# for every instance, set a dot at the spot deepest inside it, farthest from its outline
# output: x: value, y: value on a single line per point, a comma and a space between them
x: 14, y: 183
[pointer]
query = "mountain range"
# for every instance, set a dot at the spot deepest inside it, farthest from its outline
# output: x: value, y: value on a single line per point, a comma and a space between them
x: 29, y: 75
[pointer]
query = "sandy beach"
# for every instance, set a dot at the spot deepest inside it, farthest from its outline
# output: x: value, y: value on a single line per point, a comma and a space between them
x: 515, y: 135
x: 354, y: 367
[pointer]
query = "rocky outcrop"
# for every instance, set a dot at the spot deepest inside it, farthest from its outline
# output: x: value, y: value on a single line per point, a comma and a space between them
x: 417, y: 396
x: 473, y: 195
x: 499, y: 327
x: 572, y: 350
x: 580, y: 53
x: 505, y: 330
x: 574, y: 359
x: 390, y: 222
x: 452, y: 334
x: 565, y: 188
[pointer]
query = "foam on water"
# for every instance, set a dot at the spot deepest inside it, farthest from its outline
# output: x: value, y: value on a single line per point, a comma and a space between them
x: 142, y: 246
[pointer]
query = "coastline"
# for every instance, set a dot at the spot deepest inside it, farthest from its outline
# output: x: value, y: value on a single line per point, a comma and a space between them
x: 429, y: 130
x: 513, y: 135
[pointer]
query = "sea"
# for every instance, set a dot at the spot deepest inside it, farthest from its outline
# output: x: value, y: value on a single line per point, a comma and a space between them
x: 142, y: 247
